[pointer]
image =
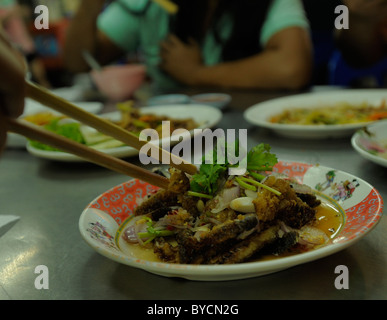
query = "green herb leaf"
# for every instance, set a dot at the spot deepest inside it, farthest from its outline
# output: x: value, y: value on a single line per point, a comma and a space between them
x: 206, y: 181
x: 260, y: 158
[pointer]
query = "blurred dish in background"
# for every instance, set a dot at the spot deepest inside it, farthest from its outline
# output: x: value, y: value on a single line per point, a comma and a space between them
x: 262, y: 113
x: 203, y: 116
x: 371, y: 142
x: 339, y: 113
x: 119, y: 82
x: 168, y: 99
x: 39, y: 114
x: 218, y: 100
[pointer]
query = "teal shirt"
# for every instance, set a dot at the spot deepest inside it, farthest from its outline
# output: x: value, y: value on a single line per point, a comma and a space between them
x: 144, y: 32
x: 7, y: 3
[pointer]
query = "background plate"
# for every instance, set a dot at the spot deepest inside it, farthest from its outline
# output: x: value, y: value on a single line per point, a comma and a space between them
x: 205, y: 116
x: 260, y: 113
x: 32, y: 107
x: 364, y: 144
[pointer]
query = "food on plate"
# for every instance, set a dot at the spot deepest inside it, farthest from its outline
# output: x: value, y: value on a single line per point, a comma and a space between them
x: 340, y: 113
x: 66, y: 129
x: 42, y: 118
x: 377, y: 147
x: 216, y: 218
x: 131, y: 119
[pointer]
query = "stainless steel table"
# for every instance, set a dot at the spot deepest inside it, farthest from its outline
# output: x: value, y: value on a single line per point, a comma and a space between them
x: 49, y: 197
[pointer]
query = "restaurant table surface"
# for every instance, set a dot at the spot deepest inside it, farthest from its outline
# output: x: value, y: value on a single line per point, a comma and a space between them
x: 50, y: 196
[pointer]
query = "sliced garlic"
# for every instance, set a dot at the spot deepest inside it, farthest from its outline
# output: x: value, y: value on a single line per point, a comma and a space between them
x: 243, y: 204
x: 251, y: 193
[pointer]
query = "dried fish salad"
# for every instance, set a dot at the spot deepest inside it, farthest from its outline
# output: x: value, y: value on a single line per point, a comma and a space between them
x: 215, y: 218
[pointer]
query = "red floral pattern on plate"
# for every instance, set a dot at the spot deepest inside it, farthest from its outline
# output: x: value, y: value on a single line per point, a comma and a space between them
x: 294, y: 170
x: 362, y: 217
x: 120, y: 201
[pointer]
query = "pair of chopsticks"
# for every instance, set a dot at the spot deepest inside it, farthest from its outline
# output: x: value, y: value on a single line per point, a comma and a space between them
x: 63, y: 106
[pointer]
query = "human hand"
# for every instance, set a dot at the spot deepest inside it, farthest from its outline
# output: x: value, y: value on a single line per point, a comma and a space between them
x: 181, y: 60
x: 12, y: 86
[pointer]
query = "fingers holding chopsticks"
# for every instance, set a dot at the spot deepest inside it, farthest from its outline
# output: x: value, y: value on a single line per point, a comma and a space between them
x: 12, y: 85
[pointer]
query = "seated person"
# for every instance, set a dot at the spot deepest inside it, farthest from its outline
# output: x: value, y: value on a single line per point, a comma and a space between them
x: 13, y: 25
x: 223, y: 43
x: 364, y: 43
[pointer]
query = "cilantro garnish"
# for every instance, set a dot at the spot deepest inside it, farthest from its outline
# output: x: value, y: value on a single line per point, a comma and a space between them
x: 259, y: 158
x: 206, y: 181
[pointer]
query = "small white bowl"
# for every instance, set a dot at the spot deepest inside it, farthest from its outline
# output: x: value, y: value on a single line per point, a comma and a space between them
x: 218, y: 100
x: 168, y: 99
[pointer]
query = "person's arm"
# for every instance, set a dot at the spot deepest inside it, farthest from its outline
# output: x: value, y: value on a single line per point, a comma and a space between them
x: 12, y: 85
x: 363, y: 44
x: 83, y: 34
x: 285, y: 63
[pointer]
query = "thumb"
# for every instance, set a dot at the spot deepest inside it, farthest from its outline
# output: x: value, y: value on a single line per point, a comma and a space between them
x: 3, y: 133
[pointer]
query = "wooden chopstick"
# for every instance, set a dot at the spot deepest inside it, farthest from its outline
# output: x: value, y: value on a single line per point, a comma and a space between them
x: 50, y: 100
x: 36, y: 133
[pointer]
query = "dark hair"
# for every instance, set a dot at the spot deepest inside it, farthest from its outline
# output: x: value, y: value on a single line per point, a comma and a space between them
x: 247, y: 16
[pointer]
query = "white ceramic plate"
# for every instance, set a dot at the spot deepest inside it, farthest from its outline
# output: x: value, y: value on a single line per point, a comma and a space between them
x: 32, y: 107
x: 168, y: 99
x: 103, y: 220
x: 205, y: 116
x: 260, y: 113
x: 371, y: 142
